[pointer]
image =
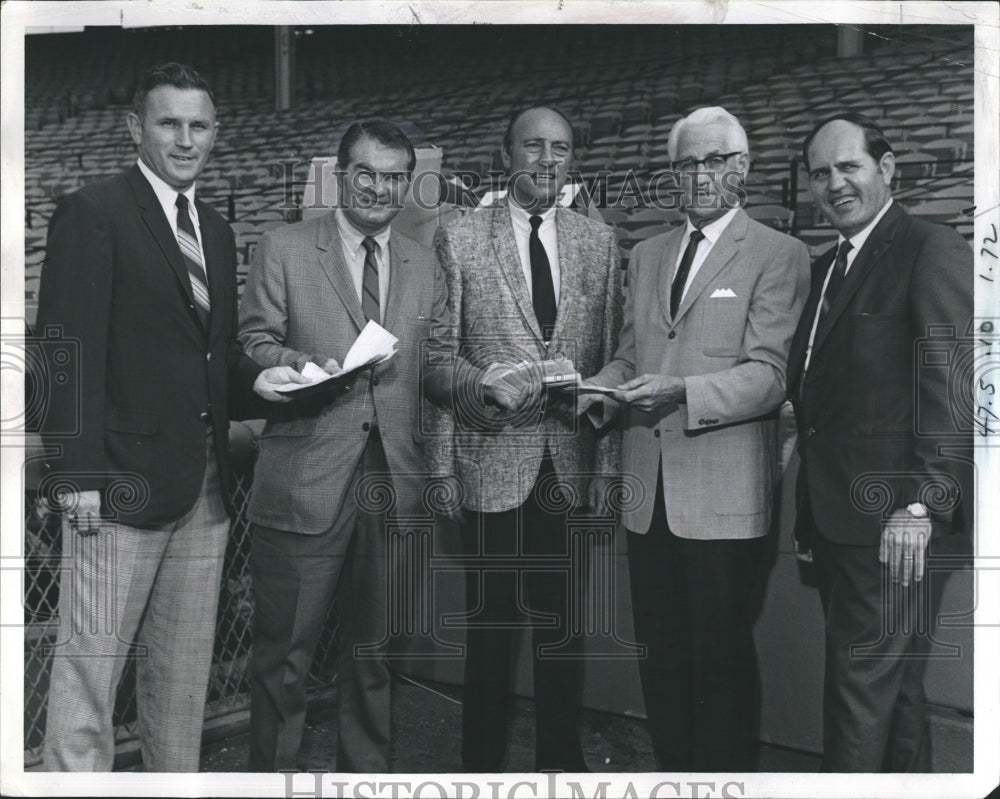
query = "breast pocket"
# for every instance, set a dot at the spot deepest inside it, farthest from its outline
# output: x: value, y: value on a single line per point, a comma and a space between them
x: 723, y: 323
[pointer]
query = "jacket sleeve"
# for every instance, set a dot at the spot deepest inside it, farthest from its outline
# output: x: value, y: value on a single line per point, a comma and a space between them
x: 609, y: 442
x: 241, y: 369
x: 621, y: 366
x: 437, y: 382
x: 264, y: 311
x: 756, y: 385
x: 74, y: 310
x: 940, y: 298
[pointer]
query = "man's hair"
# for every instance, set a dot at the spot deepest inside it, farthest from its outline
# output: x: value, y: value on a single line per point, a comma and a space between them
x: 735, y: 138
x: 382, y: 131
x: 180, y: 76
x: 509, y: 130
x: 876, y: 144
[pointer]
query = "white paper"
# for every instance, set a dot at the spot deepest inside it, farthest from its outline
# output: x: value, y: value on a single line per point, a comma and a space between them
x: 374, y: 345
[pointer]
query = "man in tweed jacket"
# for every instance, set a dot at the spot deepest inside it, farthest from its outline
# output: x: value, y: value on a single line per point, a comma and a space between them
x: 509, y: 444
x: 326, y: 464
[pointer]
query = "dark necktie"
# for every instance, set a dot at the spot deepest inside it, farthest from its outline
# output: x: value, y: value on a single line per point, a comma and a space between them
x: 369, y: 281
x: 543, y: 295
x: 193, y: 260
x: 836, y: 279
x: 677, y: 289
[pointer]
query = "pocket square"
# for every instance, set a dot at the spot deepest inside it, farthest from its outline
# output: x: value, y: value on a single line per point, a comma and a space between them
x: 723, y: 293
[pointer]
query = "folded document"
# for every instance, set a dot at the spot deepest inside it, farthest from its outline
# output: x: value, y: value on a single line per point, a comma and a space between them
x: 374, y: 345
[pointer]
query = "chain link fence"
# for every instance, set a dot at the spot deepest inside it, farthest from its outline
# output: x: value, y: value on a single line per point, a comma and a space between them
x: 229, y: 688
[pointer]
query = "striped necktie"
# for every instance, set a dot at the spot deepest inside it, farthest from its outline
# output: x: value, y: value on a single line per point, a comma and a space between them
x: 193, y: 260
x: 369, y: 282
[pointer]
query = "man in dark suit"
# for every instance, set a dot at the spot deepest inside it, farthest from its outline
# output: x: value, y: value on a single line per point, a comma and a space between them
x: 141, y: 279
x: 872, y: 417
x: 527, y: 281
x: 319, y: 528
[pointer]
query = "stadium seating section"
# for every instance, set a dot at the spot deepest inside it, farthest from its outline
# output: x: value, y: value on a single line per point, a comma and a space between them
x: 623, y: 86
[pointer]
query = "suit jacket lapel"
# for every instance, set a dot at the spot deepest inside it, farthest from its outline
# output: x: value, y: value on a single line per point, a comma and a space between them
x: 665, y: 272
x: 159, y: 228
x: 331, y: 259
x: 800, y: 342
x: 505, y: 248
x: 398, y: 277
x: 569, y: 237
x: 868, y: 256
x: 720, y: 255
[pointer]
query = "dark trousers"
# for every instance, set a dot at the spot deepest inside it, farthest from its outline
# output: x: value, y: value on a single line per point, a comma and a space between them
x: 692, y: 610
x: 295, y: 579
x: 511, y: 595
x: 873, y: 695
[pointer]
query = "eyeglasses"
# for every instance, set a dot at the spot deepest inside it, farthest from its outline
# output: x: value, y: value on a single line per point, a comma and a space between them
x: 712, y: 163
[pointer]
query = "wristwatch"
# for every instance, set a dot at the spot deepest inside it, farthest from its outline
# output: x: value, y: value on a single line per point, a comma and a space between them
x: 917, y: 510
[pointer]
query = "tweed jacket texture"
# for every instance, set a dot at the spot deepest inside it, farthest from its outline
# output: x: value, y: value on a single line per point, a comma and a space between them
x: 496, y: 455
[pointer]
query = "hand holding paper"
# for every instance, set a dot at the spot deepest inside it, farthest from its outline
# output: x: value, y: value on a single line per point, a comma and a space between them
x: 511, y: 387
x: 374, y: 345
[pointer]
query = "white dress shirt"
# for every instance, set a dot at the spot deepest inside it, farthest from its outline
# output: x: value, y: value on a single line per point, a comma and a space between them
x: 521, y: 221
x: 712, y: 231
x: 354, y: 254
x: 167, y: 195
x: 857, y: 242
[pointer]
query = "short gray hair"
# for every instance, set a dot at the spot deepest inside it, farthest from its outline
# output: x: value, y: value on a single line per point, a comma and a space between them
x: 736, y: 137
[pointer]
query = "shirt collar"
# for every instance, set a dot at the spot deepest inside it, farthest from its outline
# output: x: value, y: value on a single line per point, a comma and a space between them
x: 714, y: 228
x: 520, y: 217
x: 353, y: 237
x: 858, y: 239
x: 165, y: 193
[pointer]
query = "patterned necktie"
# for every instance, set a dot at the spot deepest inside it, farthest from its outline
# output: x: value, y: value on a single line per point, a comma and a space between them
x: 677, y: 289
x: 543, y: 295
x: 191, y: 253
x: 369, y: 281
x: 836, y: 279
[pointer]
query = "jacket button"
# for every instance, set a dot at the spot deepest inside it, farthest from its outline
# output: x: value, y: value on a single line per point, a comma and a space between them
x: 672, y: 334
x: 203, y: 416
x: 208, y: 356
x: 811, y: 432
x: 656, y: 433
x: 366, y: 427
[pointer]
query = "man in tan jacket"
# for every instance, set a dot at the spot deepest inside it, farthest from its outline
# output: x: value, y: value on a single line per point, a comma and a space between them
x: 710, y: 310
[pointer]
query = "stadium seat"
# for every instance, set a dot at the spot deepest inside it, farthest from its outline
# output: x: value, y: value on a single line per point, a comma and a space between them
x: 774, y: 215
x: 940, y: 210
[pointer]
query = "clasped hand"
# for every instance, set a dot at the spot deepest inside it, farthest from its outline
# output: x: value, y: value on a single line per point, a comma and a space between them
x: 510, y: 388
x: 904, y: 546
x: 650, y: 392
x: 274, y: 376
